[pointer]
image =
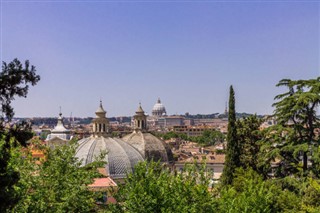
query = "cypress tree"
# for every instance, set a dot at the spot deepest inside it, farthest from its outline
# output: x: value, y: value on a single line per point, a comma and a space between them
x: 233, y: 150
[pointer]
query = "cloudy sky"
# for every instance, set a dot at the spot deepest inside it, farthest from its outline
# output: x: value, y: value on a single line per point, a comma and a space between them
x: 187, y: 53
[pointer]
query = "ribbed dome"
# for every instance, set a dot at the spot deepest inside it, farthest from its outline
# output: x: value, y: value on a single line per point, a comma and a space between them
x: 158, y: 109
x: 121, y: 157
x: 150, y: 147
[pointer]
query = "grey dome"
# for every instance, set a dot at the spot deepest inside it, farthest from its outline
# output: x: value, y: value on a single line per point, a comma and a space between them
x: 158, y: 109
x: 121, y: 157
x: 150, y: 147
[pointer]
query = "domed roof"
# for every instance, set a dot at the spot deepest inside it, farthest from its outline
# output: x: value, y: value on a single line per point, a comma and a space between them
x: 121, y: 157
x: 59, y: 130
x: 158, y: 108
x: 150, y: 147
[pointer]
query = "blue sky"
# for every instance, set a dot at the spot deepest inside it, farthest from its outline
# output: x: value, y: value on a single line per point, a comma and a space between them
x: 187, y: 53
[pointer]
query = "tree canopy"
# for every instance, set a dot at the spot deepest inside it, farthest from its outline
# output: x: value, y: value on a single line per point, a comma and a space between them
x: 294, y: 142
x: 58, y: 184
x: 14, y: 81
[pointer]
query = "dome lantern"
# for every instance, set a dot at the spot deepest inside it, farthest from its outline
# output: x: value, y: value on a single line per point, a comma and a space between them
x: 100, y: 123
x: 140, y: 119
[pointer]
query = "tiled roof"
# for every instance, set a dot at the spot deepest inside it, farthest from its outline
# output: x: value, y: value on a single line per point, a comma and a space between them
x: 102, y: 182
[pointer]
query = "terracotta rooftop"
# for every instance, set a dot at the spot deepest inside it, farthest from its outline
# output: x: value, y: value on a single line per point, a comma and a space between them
x: 102, y: 183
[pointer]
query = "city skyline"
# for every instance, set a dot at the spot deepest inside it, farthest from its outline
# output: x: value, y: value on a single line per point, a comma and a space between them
x: 186, y: 53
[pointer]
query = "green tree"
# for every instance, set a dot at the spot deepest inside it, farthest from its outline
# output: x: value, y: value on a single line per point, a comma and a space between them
x: 154, y: 188
x: 210, y: 137
x: 58, y: 184
x: 233, y: 147
x: 249, y: 135
x: 279, y: 153
x: 299, y: 105
x: 247, y: 193
x: 311, y: 196
x: 14, y: 81
x: 294, y: 139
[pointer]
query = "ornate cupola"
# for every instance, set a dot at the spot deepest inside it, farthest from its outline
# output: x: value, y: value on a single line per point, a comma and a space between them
x: 100, y: 123
x: 140, y: 120
x: 60, y: 134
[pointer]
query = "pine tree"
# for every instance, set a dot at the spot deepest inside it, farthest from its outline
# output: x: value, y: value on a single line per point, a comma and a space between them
x: 233, y: 149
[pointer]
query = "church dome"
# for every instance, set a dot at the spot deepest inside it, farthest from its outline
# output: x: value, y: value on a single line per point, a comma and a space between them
x: 121, y: 157
x: 158, y: 109
x: 150, y: 147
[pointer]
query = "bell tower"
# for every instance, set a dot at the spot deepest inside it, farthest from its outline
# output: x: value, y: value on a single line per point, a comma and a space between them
x: 140, y: 120
x: 100, y: 123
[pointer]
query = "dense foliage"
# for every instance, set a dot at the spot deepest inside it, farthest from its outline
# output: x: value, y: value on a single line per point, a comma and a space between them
x: 249, y: 135
x: 154, y: 188
x: 57, y: 184
x: 14, y: 81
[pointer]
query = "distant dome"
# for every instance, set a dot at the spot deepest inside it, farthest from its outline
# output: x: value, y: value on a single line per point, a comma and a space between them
x: 121, y: 157
x: 150, y: 147
x: 158, y: 109
x: 59, y: 131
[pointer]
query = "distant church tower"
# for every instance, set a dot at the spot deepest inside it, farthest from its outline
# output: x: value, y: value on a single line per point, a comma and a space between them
x: 140, y: 120
x: 100, y: 123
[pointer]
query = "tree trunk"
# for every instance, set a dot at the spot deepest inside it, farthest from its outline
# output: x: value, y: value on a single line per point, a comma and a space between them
x: 305, y: 161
